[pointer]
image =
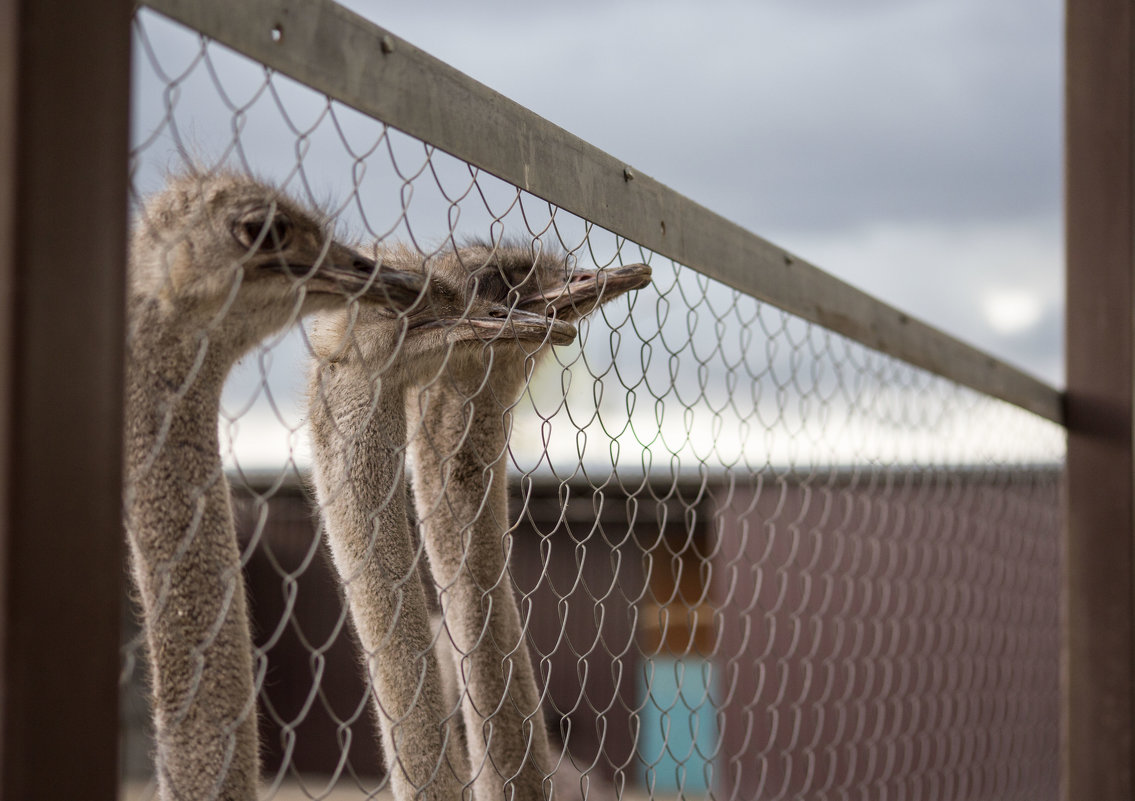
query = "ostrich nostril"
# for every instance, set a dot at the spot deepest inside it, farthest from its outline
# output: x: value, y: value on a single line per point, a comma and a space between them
x: 363, y: 265
x: 500, y: 314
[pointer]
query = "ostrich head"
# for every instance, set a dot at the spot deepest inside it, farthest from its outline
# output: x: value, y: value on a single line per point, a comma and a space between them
x: 226, y: 253
x: 454, y: 322
x: 532, y: 298
x: 538, y: 281
x: 510, y: 300
x: 511, y: 295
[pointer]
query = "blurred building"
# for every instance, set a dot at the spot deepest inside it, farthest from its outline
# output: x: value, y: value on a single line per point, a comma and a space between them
x: 790, y: 634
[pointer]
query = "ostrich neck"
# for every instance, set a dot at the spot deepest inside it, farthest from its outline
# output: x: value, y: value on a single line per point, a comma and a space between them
x: 359, y: 446
x: 459, y: 451
x: 460, y: 430
x: 175, y: 484
x: 187, y: 568
x: 358, y: 439
x: 173, y: 399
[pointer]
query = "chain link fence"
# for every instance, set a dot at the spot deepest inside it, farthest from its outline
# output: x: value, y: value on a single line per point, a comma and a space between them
x: 743, y: 556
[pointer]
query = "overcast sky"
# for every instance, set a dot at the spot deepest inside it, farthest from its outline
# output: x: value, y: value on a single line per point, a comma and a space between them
x: 911, y: 147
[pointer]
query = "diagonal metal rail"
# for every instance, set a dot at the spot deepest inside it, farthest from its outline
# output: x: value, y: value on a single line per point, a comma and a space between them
x: 360, y: 64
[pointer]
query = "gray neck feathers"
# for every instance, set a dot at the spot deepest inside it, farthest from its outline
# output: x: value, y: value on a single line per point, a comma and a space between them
x: 459, y: 454
x: 187, y: 566
x: 358, y: 430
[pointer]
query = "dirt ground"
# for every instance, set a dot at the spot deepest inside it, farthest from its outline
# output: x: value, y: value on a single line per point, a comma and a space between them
x: 316, y: 789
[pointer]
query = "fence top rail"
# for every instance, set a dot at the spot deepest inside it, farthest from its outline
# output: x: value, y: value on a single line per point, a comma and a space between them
x: 360, y: 64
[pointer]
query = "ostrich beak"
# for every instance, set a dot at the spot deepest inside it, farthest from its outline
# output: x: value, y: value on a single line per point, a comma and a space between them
x: 395, y: 289
x: 503, y: 324
x: 586, y: 289
x: 346, y: 273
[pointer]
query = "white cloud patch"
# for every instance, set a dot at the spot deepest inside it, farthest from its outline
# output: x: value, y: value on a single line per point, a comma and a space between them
x: 998, y: 286
x: 1012, y: 311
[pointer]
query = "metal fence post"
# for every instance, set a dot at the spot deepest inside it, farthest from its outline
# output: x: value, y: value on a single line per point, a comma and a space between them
x: 64, y: 93
x: 1099, y: 557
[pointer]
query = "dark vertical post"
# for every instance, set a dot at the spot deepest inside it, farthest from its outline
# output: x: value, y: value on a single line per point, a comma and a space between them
x: 1099, y: 554
x: 64, y: 92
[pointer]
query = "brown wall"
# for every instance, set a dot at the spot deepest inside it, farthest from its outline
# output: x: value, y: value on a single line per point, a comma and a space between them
x: 313, y: 693
x: 581, y: 578
x: 890, y: 635
x: 874, y: 633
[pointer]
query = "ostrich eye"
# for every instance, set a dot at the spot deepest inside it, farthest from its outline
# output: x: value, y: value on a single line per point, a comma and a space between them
x: 273, y: 233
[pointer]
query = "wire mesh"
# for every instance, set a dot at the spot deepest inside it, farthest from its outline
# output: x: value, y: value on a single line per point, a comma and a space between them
x: 744, y: 557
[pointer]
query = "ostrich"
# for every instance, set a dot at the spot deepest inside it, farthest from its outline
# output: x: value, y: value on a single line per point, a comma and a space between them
x: 460, y: 422
x: 365, y: 364
x: 217, y: 262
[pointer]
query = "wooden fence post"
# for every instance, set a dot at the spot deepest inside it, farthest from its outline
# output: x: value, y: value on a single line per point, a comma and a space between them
x: 64, y: 97
x: 1099, y: 553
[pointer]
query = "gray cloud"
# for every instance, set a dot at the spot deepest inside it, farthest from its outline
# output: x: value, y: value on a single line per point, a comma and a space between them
x: 807, y: 121
x: 790, y: 114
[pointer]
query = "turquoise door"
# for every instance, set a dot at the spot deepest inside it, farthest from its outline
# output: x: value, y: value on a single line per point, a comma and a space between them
x: 678, y: 736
